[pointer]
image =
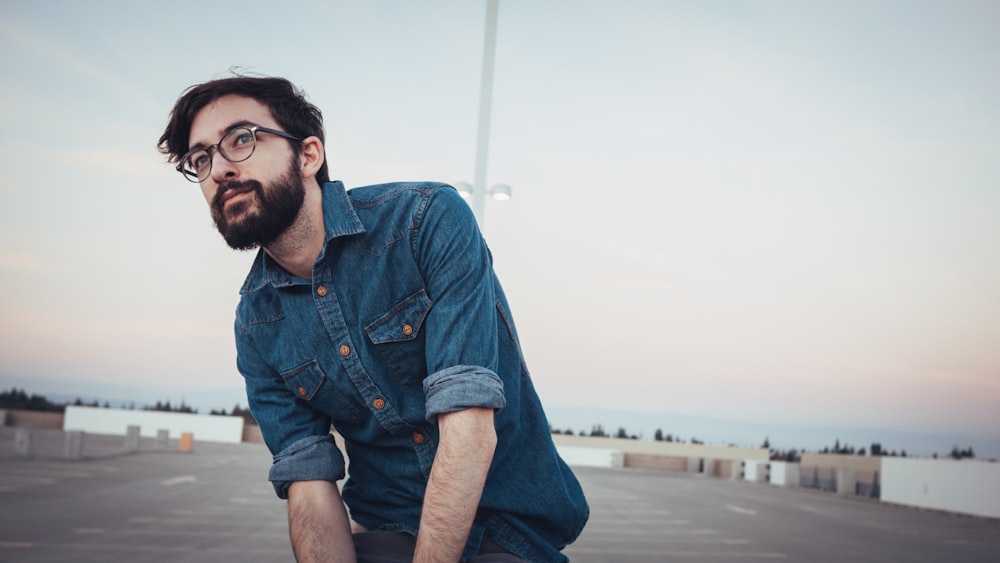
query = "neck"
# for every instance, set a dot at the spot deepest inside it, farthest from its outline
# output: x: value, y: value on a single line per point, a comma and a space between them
x: 297, y: 249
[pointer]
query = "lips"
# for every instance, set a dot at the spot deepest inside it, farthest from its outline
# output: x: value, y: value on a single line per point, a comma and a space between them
x: 234, y: 192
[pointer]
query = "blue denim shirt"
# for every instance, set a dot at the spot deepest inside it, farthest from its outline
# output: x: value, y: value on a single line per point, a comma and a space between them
x: 403, y: 320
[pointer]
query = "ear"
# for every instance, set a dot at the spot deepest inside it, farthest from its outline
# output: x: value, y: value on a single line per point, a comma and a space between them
x: 311, y: 157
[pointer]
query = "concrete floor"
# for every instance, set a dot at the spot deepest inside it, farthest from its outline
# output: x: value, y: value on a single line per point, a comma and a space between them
x: 215, y: 505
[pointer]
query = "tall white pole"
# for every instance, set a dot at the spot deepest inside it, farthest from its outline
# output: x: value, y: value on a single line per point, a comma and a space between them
x: 485, y: 99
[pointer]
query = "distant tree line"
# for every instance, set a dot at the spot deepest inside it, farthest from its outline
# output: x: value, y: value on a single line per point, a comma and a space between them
x: 165, y: 406
x: 598, y: 431
x: 237, y: 411
x: 875, y: 450
x: 19, y: 399
x: 79, y: 403
x: 959, y: 454
x: 791, y: 455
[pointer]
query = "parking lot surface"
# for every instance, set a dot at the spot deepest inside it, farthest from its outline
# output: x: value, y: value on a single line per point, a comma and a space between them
x: 215, y: 504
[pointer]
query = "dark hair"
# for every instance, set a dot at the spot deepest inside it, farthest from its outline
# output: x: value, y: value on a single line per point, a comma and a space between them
x: 287, y: 103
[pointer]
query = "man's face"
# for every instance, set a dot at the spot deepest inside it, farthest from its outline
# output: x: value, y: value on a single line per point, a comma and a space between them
x: 252, y: 202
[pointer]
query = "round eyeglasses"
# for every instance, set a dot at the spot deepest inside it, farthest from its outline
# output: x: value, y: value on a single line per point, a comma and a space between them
x: 236, y: 145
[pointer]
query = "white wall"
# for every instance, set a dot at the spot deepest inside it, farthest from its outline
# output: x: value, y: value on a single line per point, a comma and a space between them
x: 591, y: 457
x: 967, y: 487
x: 785, y: 473
x: 755, y: 471
x: 206, y: 428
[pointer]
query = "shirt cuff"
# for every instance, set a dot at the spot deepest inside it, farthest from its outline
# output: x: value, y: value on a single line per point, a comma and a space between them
x: 314, y: 458
x: 462, y: 387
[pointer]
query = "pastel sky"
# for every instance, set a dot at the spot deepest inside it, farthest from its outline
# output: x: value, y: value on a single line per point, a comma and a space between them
x: 775, y: 211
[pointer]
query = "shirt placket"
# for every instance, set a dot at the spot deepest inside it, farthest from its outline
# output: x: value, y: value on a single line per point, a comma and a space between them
x: 331, y: 314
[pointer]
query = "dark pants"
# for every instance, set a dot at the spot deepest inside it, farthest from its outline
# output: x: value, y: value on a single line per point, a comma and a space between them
x: 397, y: 547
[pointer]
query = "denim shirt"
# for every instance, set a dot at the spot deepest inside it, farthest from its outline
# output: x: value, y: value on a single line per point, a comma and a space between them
x: 403, y: 320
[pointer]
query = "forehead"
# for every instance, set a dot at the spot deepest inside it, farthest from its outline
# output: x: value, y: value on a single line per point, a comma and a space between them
x: 211, y: 122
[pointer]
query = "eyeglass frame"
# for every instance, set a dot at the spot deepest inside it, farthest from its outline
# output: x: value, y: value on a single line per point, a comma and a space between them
x: 253, y: 129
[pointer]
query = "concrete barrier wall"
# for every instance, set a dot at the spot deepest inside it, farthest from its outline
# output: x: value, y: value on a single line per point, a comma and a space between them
x: 722, y: 468
x: 35, y: 419
x: 656, y: 462
x: 591, y: 457
x: 966, y: 487
x: 672, y: 449
x: 756, y: 471
x: 252, y: 435
x: 785, y: 474
x: 865, y: 467
x: 208, y: 428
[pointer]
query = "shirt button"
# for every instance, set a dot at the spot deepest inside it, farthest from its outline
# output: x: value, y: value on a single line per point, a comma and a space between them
x: 418, y: 437
x: 302, y: 392
x: 321, y: 291
x: 379, y: 403
x: 407, y: 329
x: 345, y: 350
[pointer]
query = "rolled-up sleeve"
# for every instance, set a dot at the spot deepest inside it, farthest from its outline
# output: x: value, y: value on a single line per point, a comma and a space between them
x: 462, y: 387
x: 461, y: 327
x: 297, y: 435
x: 315, y: 458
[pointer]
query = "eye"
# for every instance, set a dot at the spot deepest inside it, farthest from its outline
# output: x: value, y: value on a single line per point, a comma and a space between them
x: 242, y: 137
x: 199, y: 160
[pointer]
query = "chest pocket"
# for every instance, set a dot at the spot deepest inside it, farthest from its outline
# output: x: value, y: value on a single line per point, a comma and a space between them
x: 310, y: 384
x: 398, y: 337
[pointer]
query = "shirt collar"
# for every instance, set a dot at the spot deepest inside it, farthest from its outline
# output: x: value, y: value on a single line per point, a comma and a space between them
x: 339, y: 220
x: 339, y: 217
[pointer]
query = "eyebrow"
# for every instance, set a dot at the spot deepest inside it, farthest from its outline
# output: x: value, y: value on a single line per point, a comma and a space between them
x: 225, y: 131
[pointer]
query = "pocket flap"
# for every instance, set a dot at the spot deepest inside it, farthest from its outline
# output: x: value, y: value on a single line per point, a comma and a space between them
x: 402, y: 322
x: 305, y: 380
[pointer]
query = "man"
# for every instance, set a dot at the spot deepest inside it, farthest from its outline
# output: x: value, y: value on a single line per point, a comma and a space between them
x: 376, y: 311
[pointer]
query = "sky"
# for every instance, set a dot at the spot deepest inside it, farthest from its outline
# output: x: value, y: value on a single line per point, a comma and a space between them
x: 779, y: 212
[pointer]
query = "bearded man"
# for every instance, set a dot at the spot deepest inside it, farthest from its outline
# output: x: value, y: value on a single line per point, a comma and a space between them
x: 376, y: 312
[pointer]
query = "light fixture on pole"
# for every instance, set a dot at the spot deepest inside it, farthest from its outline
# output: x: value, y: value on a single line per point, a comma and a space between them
x: 477, y: 192
x: 499, y: 192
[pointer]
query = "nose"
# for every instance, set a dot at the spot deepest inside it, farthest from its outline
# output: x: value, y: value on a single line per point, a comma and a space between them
x: 222, y: 169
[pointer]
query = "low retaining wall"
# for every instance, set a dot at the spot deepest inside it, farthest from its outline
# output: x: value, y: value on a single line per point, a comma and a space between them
x: 785, y: 473
x: 671, y: 449
x: 757, y: 471
x: 656, y: 462
x: 591, y: 457
x: 252, y: 435
x: 966, y: 486
x: 208, y: 428
x: 35, y: 419
x: 867, y: 469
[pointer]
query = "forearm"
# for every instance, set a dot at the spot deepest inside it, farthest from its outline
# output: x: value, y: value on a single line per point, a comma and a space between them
x: 468, y: 439
x: 318, y: 523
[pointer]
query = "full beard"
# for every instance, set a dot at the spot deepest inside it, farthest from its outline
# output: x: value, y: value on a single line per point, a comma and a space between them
x: 277, y: 209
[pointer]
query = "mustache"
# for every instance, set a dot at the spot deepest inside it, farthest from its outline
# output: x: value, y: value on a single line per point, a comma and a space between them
x: 235, y: 185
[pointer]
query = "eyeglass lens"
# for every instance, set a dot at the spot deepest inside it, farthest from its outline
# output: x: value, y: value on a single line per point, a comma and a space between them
x: 235, y: 146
